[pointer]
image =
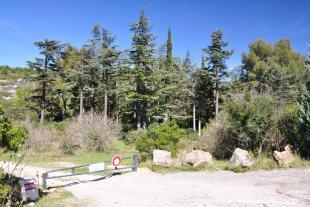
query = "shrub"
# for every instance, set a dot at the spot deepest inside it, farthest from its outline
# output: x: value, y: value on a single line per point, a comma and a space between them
x: 132, y: 136
x: 250, y: 121
x: 10, y: 194
x: 165, y: 136
x: 214, y: 137
x: 91, y: 133
x: 41, y: 138
x: 11, y: 135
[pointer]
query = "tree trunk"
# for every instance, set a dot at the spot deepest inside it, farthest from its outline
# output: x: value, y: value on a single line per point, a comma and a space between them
x: 199, y: 127
x: 43, y: 103
x: 194, y: 117
x: 64, y: 110
x: 138, y: 116
x: 105, y: 96
x: 216, y: 94
x: 216, y: 103
x: 81, y: 102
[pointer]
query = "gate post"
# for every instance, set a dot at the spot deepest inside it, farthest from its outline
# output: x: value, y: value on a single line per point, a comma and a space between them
x: 44, y: 176
x: 135, y: 163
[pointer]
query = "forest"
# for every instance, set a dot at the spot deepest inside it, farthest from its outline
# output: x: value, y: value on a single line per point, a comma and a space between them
x: 151, y: 99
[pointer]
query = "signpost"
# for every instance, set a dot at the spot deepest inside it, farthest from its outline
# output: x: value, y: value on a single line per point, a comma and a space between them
x: 29, y: 189
x: 116, y: 161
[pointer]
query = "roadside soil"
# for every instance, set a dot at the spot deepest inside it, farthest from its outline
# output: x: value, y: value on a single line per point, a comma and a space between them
x: 282, y: 187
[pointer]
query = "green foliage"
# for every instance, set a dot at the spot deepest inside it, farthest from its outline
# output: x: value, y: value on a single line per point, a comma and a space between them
x: 273, y: 68
x: 11, y: 135
x: 165, y: 136
x: 250, y: 121
x: 10, y: 194
x: 216, y: 63
x: 142, y: 57
x: 132, y: 136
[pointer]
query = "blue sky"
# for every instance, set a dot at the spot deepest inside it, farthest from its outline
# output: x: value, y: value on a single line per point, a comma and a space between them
x: 192, y: 21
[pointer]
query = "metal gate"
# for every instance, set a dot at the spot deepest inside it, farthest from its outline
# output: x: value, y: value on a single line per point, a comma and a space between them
x: 73, y: 171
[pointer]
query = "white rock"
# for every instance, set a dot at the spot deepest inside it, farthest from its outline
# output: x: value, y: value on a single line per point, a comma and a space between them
x: 198, y: 157
x: 241, y: 158
x: 285, y: 158
x: 162, y: 158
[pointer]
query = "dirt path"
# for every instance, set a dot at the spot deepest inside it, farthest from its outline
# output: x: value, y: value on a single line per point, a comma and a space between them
x: 289, y: 187
x: 262, y: 188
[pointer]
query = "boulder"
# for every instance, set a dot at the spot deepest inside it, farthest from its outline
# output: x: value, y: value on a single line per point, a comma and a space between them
x: 241, y: 158
x: 285, y: 158
x: 198, y: 157
x: 162, y: 158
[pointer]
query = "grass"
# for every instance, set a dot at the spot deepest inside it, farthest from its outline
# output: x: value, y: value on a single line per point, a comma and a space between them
x: 215, y: 166
x: 61, y: 198
x: 54, y: 158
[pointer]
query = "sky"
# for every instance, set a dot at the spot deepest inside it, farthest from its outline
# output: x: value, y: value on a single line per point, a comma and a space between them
x: 191, y: 21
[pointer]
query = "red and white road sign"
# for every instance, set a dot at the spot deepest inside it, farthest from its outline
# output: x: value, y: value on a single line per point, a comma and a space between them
x: 116, y: 160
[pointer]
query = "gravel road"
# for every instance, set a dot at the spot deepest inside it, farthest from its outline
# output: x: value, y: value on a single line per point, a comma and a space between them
x: 286, y: 187
x: 144, y: 188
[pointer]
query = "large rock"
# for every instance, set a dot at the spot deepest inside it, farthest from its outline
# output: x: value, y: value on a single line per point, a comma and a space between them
x: 241, y: 158
x: 285, y: 158
x: 162, y: 158
x: 198, y: 157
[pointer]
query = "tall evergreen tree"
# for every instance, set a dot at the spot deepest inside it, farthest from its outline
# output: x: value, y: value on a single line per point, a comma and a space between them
x: 169, y: 58
x: 45, y: 67
x: 143, y: 60
x: 216, y: 57
x: 108, y: 59
x: 204, y: 98
x: 75, y: 64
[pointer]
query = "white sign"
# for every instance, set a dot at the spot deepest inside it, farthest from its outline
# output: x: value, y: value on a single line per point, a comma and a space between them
x: 96, y: 167
x: 29, y: 188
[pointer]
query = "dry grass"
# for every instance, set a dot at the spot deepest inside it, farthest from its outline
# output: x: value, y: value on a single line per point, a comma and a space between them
x: 91, y: 132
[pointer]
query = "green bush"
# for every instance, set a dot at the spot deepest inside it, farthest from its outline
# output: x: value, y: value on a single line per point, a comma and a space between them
x: 132, y: 136
x: 250, y: 121
x: 11, y: 136
x: 165, y: 136
x: 10, y: 194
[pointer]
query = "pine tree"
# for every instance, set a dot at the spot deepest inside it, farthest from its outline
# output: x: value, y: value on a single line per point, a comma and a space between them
x: 75, y: 65
x: 216, y: 57
x: 108, y: 55
x: 204, y: 98
x: 46, y: 68
x: 143, y: 60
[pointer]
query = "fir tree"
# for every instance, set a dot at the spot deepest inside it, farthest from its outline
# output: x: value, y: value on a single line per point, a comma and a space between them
x: 216, y: 57
x: 143, y: 60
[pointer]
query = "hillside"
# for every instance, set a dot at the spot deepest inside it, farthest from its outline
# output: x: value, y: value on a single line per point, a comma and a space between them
x: 11, y: 79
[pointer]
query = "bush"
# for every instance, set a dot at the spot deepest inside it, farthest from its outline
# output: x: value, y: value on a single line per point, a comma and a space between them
x: 41, y: 138
x: 250, y: 122
x: 10, y: 194
x: 214, y: 138
x: 91, y: 133
x: 11, y: 135
x: 132, y: 136
x: 165, y: 136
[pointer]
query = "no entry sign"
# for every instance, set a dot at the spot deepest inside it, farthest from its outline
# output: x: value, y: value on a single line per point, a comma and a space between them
x: 116, y: 160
